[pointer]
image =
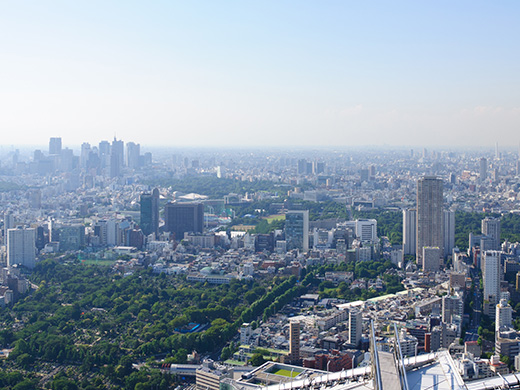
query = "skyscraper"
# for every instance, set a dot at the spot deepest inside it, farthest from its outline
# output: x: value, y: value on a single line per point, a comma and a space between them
x: 85, y: 151
x: 297, y: 229
x: 429, y: 214
x: 294, y: 341
x: 355, y: 323
x: 55, y: 146
x: 491, y: 276
x: 150, y: 212
x: 21, y: 247
x: 409, y: 231
x: 483, y: 169
x: 491, y: 228
x: 183, y: 217
x: 449, y: 232
x: 133, y: 154
x: 116, y: 158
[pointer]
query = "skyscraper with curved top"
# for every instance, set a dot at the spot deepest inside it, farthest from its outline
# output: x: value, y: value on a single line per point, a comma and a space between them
x: 430, y: 232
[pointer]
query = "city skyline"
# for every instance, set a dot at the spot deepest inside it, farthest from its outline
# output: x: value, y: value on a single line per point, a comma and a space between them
x: 269, y: 74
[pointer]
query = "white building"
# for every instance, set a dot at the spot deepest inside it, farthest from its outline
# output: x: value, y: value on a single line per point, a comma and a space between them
x: 491, y: 275
x: 504, y: 315
x: 366, y: 229
x: 245, y: 333
x: 21, y: 247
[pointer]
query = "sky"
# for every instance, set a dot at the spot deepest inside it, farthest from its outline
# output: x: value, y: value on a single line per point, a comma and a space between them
x: 260, y: 73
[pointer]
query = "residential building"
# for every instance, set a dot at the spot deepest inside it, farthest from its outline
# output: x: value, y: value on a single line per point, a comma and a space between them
x: 429, y: 214
x: 21, y: 247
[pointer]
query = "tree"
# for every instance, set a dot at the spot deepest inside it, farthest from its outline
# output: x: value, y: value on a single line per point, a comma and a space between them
x: 257, y: 359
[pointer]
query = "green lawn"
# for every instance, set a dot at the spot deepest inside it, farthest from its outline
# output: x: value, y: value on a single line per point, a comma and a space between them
x: 284, y: 372
x: 275, y: 217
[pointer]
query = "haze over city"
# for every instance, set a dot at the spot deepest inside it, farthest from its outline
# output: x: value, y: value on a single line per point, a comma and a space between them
x: 294, y: 73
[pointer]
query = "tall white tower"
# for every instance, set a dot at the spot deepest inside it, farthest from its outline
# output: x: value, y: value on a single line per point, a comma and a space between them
x: 21, y: 247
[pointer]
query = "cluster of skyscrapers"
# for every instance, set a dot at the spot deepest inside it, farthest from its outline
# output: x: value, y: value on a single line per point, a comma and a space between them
x: 108, y: 158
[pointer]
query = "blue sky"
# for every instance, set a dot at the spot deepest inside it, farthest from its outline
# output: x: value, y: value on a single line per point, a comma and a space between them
x: 273, y: 73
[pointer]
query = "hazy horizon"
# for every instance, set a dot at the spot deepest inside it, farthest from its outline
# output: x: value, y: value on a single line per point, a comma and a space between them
x: 269, y: 74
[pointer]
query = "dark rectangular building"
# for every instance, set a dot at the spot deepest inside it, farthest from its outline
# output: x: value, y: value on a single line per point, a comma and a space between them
x: 184, y: 217
x: 150, y: 212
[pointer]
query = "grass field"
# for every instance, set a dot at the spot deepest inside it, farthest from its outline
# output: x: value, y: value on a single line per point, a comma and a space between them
x: 275, y: 217
x: 287, y: 373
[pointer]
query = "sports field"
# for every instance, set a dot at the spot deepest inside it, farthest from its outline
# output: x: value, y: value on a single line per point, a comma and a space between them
x: 284, y: 372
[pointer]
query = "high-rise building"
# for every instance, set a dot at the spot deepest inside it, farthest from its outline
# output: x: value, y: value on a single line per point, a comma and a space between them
x: 431, y: 258
x: 21, y: 247
x: 491, y: 276
x: 297, y: 229
x: 183, y: 217
x: 483, y: 169
x: 133, y: 154
x: 452, y: 305
x: 355, y: 323
x: 55, y: 146
x: 429, y: 214
x: 366, y: 229
x: 85, y: 151
x: 150, y: 212
x: 503, y: 315
x: 409, y: 231
x: 449, y: 232
x: 491, y: 228
x: 116, y: 158
x: 294, y: 341
x: 104, y: 154
x: 9, y: 223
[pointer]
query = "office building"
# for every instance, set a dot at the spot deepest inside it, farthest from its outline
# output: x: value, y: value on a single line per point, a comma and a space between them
x: 483, y: 169
x: 491, y: 228
x: 133, y: 155
x: 104, y: 154
x: 183, y: 217
x: 21, y: 247
x: 355, y: 323
x: 491, y: 277
x: 429, y: 214
x: 294, y: 341
x: 297, y: 230
x: 55, y: 146
x: 150, y: 212
x: 85, y: 152
x: 116, y: 158
x: 71, y: 237
x: 409, y: 231
x: 449, y: 232
x: 366, y: 229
